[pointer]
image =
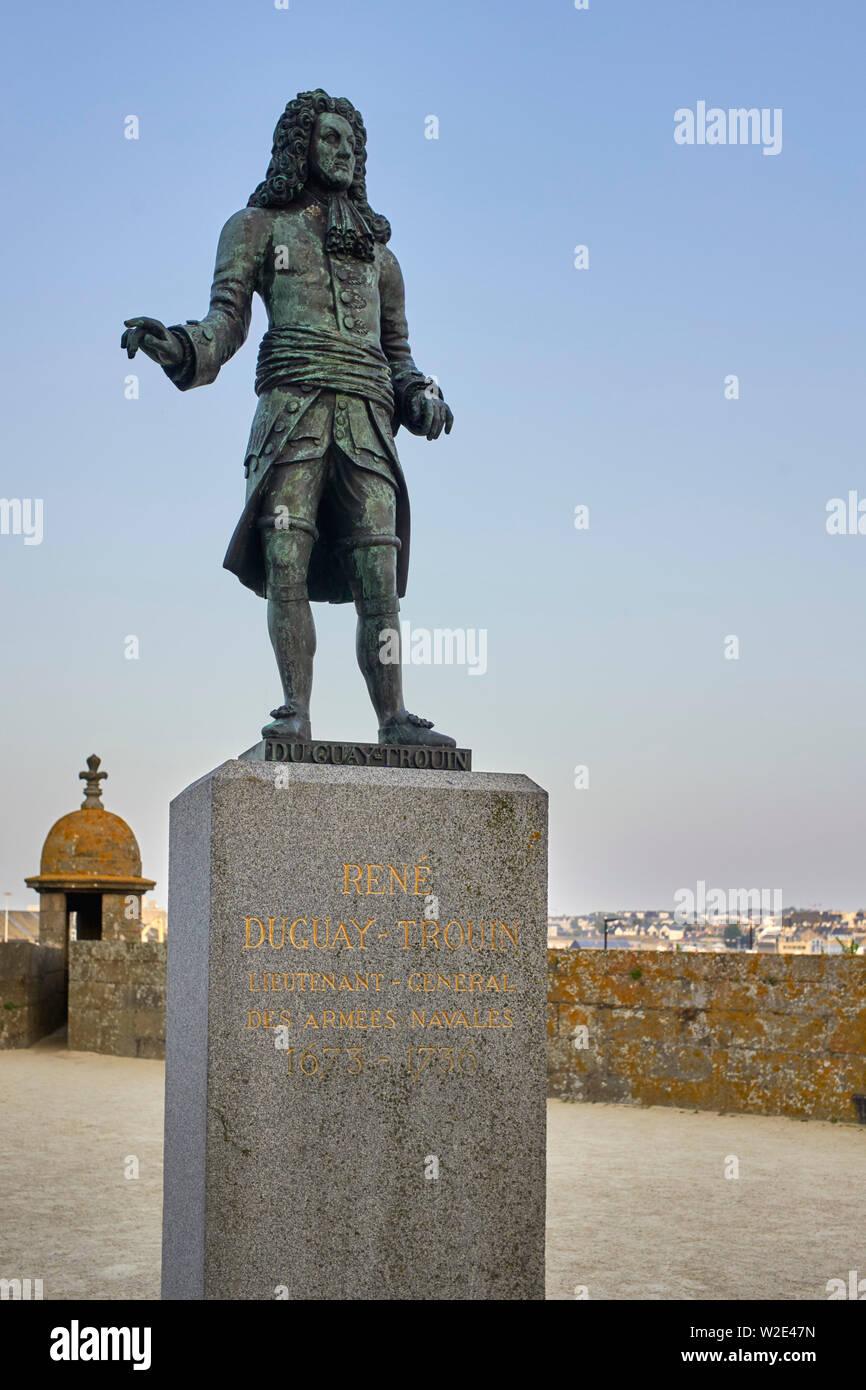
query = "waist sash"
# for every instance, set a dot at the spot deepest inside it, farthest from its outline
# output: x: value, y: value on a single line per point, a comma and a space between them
x: 317, y: 357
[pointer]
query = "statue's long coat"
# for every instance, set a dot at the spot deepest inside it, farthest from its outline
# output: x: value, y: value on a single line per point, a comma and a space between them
x: 280, y: 255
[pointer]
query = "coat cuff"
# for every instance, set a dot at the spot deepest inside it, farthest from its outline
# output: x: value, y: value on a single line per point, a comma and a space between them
x: 407, y: 380
x: 183, y: 372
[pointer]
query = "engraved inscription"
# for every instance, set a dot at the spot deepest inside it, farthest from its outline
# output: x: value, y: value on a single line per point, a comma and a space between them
x: 376, y: 1002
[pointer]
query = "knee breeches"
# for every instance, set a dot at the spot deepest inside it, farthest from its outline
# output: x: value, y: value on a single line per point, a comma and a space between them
x: 358, y: 509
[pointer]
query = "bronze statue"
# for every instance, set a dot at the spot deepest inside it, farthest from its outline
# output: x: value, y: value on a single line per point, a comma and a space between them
x: 327, y: 512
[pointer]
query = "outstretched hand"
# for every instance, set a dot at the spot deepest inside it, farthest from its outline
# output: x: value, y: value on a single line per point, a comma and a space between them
x: 154, y: 339
x: 428, y: 415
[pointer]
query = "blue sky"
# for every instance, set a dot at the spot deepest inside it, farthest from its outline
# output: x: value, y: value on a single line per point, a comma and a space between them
x: 602, y: 387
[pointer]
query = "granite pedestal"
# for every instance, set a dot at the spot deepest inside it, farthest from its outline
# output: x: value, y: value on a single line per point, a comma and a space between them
x: 355, y: 1095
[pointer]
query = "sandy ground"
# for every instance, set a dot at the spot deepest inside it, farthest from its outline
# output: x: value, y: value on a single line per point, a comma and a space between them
x: 68, y: 1123
x: 638, y: 1203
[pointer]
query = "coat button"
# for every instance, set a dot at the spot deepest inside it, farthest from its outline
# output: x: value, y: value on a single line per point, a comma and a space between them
x: 349, y: 321
x: 346, y: 296
x: 207, y: 333
x: 280, y: 425
x: 291, y: 406
x: 269, y: 448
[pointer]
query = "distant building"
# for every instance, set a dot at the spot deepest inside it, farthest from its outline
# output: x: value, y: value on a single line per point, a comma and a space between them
x: 790, y: 932
x: 154, y: 922
x: 21, y: 924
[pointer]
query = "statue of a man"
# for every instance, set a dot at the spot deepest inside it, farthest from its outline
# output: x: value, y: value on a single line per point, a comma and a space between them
x: 327, y: 513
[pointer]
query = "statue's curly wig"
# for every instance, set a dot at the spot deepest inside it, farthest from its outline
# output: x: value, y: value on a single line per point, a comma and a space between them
x: 289, y: 167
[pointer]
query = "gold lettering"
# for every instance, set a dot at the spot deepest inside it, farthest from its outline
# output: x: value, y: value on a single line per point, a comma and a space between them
x: 421, y: 889
x: 432, y: 927
x: 472, y: 945
x: 271, y: 921
x: 316, y: 942
x: 506, y: 931
x: 305, y: 943
x: 406, y: 926
x: 248, y: 945
x: 394, y: 874
x: 254, y: 1014
x: 252, y: 977
x: 362, y: 931
x: 377, y: 892
x: 342, y: 933
x: 356, y: 878
x: 460, y: 942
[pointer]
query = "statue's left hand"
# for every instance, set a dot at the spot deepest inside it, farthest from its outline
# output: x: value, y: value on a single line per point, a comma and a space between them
x: 154, y: 339
x: 427, y: 415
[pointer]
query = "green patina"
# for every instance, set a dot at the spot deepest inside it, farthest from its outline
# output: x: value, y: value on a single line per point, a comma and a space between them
x: 327, y: 510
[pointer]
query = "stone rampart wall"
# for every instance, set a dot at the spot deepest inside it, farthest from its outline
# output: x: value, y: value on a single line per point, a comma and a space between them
x: 770, y: 1035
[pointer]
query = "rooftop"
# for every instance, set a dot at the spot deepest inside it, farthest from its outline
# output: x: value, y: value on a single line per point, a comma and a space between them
x: 91, y: 848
